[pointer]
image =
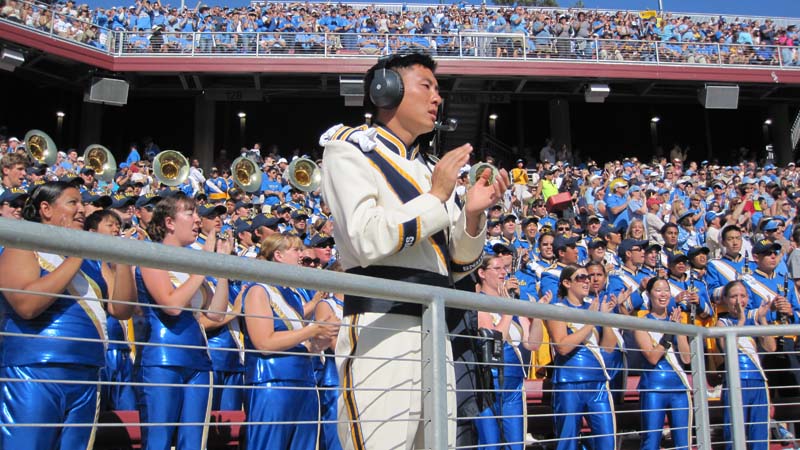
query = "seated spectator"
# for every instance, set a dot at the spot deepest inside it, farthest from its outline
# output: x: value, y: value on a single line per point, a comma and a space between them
x: 273, y: 43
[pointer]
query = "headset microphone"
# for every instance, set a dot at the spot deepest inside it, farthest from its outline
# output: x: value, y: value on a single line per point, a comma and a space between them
x: 446, y: 125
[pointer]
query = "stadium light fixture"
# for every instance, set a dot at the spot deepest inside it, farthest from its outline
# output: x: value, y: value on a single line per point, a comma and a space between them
x: 242, y: 115
x: 655, y: 119
x: 368, y: 116
x: 60, y: 114
x: 493, y: 116
x: 768, y: 122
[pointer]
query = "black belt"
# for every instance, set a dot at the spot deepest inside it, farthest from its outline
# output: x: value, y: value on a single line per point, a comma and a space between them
x: 354, y: 304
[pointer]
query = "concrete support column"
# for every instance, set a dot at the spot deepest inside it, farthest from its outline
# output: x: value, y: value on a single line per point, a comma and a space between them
x: 91, y: 125
x: 204, y: 115
x: 780, y: 131
x: 560, y: 123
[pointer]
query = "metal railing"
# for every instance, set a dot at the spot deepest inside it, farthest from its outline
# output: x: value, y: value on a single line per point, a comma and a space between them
x: 461, y: 45
x: 434, y: 333
x: 796, y: 131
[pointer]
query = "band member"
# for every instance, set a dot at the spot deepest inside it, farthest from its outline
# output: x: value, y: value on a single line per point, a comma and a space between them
x: 176, y: 223
x: 55, y: 357
x: 731, y: 266
x: 663, y: 385
x: 396, y: 218
x: 580, y: 380
x: 508, y: 402
x: 755, y: 397
x: 284, y: 388
x: 119, y: 364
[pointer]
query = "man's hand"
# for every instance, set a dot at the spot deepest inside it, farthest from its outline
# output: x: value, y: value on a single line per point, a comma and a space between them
x: 484, y: 194
x: 445, y: 174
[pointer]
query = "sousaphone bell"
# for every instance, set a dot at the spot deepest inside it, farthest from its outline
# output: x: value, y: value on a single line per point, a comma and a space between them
x: 41, y: 147
x: 170, y: 168
x: 101, y: 160
x: 304, y: 174
x: 246, y: 174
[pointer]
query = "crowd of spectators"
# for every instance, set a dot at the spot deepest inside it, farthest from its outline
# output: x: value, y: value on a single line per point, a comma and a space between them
x: 682, y: 215
x: 443, y: 30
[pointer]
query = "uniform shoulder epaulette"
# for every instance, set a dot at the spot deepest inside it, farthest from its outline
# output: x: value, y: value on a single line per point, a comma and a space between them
x: 362, y: 136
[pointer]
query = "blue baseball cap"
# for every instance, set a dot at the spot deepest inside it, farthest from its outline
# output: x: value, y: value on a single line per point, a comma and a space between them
x: 13, y: 194
x: 242, y: 226
x: 772, y: 225
x: 766, y: 246
x: 122, y: 200
x: 607, y: 228
x: 96, y: 198
x: 321, y: 240
x: 263, y: 220
x: 596, y: 242
x: 210, y: 210
x: 711, y: 215
x: 628, y: 244
x: 677, y: 257
x: 147, y: 199
x: 561, y: 242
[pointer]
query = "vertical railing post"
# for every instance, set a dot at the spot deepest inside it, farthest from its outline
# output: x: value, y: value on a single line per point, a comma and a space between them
x: 434, y: 375
x: 658, y: 57
x: 700, y: 399
x: 736, y: 416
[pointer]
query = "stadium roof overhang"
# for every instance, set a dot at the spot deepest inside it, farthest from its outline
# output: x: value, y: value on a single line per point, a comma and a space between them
x: 50, y: 61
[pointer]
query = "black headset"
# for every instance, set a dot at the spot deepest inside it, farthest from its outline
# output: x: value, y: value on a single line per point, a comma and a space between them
x: 386, y: 89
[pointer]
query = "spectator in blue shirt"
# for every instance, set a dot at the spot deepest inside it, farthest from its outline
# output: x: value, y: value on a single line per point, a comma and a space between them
x: 133, y: 155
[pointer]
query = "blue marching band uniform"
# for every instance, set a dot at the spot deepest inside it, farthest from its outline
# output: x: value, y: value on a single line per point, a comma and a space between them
x: 664, y: 387
x: 509, y: 397
x: 755, y: 395
x: 327, y: 378
x: 580, y: 389
x: 165, y: 364
x: 55, y: 359
x: 284, y: 384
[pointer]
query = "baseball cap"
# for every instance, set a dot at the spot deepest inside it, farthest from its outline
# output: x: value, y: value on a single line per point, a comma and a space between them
x: 765, y: 246
x: 772, y: 225
x: 321, y: 240
x: 711, y: 215
x: 299, y: 214
x: 694, y: 251
x: 528, y: 220
x: 505, y: 218
x: 210, y: 209
x: 688, y: 213
x: 607, y: 228
x: 677, y: 257
x: 12, y: 194
x: 147, y: 199
x: 596, y: 242
x: 654, y: 201
x: 562, y: 242
x: 97, y: 199
x: 262, y: 220
x: 240, y: 226
x: 242, y: 204
x: 628, y: 244
x: 122, y: 200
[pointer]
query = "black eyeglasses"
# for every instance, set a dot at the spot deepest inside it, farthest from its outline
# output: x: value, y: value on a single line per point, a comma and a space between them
x: 308, y: 261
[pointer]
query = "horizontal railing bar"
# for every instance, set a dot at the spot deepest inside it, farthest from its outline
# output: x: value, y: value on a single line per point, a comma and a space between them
x: 78, y: 243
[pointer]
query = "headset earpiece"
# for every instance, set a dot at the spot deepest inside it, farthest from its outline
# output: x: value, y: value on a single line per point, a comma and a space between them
x: 386, y: 89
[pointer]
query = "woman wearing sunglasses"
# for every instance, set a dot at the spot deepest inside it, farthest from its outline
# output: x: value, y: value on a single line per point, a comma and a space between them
x: 278, y: 363
x: 508, y: 402
x: 663, y: 385
x: 580, y: 380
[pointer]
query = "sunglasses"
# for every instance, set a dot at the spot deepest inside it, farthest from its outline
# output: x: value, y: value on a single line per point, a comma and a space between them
x: 562, y: 229
x: 308, y: 261
x: 581, y: 278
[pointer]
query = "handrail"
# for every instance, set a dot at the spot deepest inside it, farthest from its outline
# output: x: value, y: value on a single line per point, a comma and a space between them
x: 465, y: 45
x: 796, y: 131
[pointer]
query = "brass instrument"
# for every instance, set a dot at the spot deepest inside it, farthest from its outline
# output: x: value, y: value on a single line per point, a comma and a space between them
x: 476, y: 170
x: 101, y: 160
x: 304, y: 174
x: 246, y: 174
x: 170, y: 168
x: 41, y: 147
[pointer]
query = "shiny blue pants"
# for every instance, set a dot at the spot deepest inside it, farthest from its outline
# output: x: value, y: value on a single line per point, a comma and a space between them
x: 48, y: 403
x: 756, y: 414
x: 329, y: 437
x: 228, y: 392
x: 186, y: 404
x: 509, y: 405
x: 573, y: 401
x: 118, y: 369
x: 282, y: 405
x: 655, y: 406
